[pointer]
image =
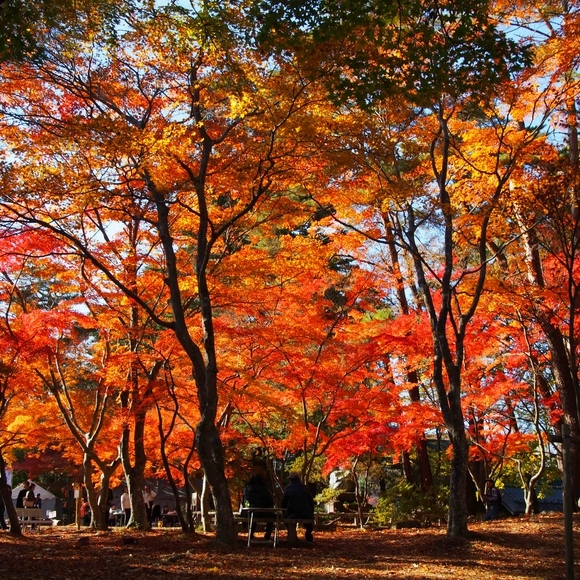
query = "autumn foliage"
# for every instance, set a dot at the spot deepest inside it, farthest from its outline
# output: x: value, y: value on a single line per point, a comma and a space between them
x: 214, y: 247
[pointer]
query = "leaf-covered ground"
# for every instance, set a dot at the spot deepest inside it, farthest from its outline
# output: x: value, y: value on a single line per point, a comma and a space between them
x: 506, y: 549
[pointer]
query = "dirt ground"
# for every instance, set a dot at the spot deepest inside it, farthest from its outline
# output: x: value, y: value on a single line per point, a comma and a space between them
x: 506, y: 549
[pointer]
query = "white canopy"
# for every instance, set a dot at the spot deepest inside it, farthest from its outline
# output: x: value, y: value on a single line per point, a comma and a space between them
x: 44, y: 494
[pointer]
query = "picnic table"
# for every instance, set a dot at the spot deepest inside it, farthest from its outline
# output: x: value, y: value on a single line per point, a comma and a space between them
x: 33, y: 517
x: 117, y: 517
x: 169, y: 519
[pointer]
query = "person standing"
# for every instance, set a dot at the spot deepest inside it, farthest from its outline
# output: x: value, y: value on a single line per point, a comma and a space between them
x: 30, y: 498
x: 85, y: 513
x: 22, y: 494
x: 257, y: 495
x: 491, y: 501
x: 2, y: 509
x: 299, y: 503
x: 126, y: 505
x: 148, y: 496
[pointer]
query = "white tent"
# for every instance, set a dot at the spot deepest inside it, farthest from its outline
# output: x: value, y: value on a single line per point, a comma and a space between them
x: 48, y: 499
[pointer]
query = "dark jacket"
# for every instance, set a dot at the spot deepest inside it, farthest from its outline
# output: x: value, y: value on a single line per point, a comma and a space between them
x: 298, y: 501
x: 20, y: 499
x: 257, y: 494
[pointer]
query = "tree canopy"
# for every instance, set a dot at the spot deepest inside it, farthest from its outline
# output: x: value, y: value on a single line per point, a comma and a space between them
x: 315, y: 234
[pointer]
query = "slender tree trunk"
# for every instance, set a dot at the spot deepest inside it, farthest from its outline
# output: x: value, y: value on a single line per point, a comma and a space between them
x: 186, y: 522
x: 102, y: 523
x: 457, y: 513
x: 450, y: 403
x: 134, y: 479
x: 205, y: 505
x: 408, y: 468
x: 446, y: 321
x: 89, y: 486
x: 134, y: 470
x: 209, y: 448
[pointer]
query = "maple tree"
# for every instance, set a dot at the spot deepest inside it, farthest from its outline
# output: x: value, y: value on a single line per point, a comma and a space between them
x: 545, y: 211
x: 254, y: 262
x: 70, y: 387
x: 83, y: 365
x: 41, y: 294
x: 190, y: 166
x: 417, y: 49
x: 306, y: 379
x: 18, y: 331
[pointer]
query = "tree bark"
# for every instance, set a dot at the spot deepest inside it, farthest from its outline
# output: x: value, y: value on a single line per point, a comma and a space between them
x: 15, y: 528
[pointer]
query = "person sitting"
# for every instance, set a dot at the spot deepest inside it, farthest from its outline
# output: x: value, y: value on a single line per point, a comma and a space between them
x: 169, y: 517
x: 299, y: 503
x: 257, y: 495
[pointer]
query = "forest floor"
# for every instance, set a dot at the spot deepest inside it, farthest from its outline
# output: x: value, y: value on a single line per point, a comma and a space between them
x: 511, y: 548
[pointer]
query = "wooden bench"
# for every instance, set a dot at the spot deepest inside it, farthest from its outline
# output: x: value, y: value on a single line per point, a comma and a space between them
x: 33, y: 517
x: 291, y: 524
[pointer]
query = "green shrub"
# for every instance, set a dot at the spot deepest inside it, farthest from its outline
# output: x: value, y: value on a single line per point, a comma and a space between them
x: 327, y: 495
x: 404, y: 501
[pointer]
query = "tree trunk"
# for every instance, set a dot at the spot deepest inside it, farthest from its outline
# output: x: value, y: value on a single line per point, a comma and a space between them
x: 103, y: 499
x: 15, y: 528
x: 134, y: 478
x: 90, y: 489
x: 209, y: 448
x: 134, y: 471
x: 568, y: 391
x: 450, y: 403
x: 206, y: 520
x: 457, y: 511
x: 185, y: 521
x: 408, y: 469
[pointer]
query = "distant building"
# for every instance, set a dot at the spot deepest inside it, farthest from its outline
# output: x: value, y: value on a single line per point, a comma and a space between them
x: 513, y: 500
